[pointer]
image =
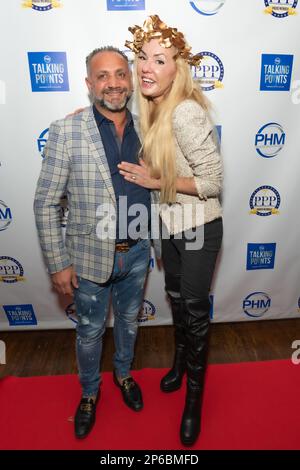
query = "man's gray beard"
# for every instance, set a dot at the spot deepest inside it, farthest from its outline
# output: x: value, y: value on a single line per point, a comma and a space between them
x: 112, y: 107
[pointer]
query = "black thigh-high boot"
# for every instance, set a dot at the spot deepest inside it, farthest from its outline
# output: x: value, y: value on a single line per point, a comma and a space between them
x: 196, y: 314
x: 173, y: 379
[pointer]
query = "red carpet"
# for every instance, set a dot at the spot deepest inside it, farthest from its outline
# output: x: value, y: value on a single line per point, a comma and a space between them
x: 246, y: 406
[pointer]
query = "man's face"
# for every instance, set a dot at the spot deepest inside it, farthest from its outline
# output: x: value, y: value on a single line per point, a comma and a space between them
x: 109, y: 81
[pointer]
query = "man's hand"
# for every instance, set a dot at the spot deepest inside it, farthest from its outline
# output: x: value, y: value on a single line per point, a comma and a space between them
x: 64, y: 281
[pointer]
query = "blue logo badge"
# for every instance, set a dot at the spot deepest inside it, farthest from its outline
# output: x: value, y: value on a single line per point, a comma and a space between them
x: 5, y: 216
x: 281, y: 9
x: 48, y: 71
x: 276, y: 72
x: 40, y: 5
x: 19, y: 315
x: 147, y: 312
x: 265, y: 201
x: 122, y: 5
x: 210, y: 72
x: 42, y: 140
x: 256, y: 304
x: 207, y: 7
x: 270, y: 140
x: 11, y: 270
x: 260, y: 256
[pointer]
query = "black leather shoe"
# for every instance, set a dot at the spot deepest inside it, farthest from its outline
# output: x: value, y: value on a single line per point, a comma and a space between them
x: 85, y: 416
x: 131, y: 393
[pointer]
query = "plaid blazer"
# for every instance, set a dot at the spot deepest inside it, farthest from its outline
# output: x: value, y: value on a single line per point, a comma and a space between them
x: 75, y: 164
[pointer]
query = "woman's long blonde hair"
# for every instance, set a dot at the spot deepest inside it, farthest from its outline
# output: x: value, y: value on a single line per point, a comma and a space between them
x: 158, y: 149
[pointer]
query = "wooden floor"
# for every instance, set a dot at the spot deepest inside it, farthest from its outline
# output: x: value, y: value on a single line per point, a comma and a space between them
x: 30, y: 353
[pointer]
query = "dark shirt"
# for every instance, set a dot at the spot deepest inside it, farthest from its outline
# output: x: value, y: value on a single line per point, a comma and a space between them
x: 127, y: 151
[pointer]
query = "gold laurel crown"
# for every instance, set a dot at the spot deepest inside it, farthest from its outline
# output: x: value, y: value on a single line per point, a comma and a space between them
x: 154, y: 28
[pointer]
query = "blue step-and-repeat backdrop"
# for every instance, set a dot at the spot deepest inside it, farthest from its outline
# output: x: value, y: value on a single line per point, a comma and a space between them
x: 250, y: 73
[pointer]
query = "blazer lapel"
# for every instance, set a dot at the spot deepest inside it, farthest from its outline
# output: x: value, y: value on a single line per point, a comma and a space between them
x: 93, y: 137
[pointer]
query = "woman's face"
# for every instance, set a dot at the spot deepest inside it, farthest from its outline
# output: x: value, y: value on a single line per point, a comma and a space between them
x: 156, y: 70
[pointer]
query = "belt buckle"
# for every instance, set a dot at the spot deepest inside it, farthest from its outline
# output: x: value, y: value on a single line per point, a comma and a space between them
x: 122, y: 247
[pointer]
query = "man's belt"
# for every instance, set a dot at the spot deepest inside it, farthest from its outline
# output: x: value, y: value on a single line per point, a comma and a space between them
x: 123, y: 247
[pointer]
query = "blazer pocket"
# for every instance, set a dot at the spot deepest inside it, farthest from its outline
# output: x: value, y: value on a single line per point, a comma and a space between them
x: 74, y: 228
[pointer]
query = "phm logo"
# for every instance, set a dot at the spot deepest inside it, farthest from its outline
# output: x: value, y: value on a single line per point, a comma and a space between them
x: 147, y: 312
x: 117, y: 5
x: 42, y: 140
x: 265, y: 201
x: 256, y: 304
x: 280, y: 8
x: 270, y: 140
x: 19, y: 315
x: 210, y: 72
x: 11, y: 270
x: 71, y: 313
x: 207, y: 7
x: 40, y: 5
x: 276, y: 72
x: 5, y: 216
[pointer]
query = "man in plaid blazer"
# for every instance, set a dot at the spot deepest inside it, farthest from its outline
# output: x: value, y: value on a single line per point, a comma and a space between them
x: 95, y: 262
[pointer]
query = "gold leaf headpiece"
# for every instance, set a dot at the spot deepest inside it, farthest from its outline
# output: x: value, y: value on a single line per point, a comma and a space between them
x: 154, y: 28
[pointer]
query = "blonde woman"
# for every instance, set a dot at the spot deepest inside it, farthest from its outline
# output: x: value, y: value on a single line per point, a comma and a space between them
x: 181, y: 163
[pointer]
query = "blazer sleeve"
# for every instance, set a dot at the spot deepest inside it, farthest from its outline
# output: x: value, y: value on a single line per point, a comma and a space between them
x: 194, y: 134
x: 51, y: 187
